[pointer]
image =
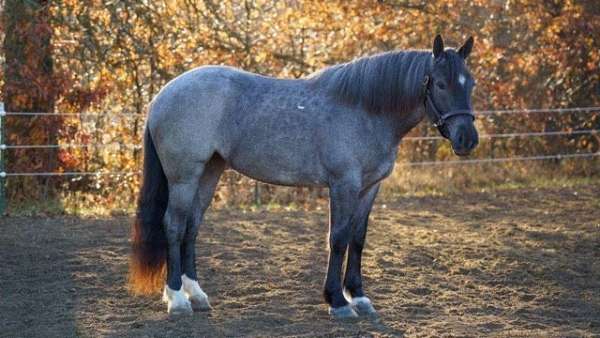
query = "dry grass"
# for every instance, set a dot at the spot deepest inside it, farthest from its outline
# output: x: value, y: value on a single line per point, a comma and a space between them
x: 238, y: 192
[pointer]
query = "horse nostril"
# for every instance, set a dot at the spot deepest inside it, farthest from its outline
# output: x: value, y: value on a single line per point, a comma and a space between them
x: 461, y: 139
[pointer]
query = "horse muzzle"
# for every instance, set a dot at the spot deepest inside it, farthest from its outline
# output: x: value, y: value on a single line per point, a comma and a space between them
x: 464, y: 138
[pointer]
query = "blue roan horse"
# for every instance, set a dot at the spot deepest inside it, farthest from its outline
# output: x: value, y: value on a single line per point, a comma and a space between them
x: 338, y: 128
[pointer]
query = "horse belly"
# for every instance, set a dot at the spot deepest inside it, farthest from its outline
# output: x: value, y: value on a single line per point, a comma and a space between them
x: 282, y: 177
x: 279, y: 163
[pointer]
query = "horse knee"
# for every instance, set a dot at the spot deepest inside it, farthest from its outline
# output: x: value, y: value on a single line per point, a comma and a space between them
x: 194, y: 222
x: 175, y: 232
x: 175, y: 227
x: 191, y: 232
x: 339, y: 239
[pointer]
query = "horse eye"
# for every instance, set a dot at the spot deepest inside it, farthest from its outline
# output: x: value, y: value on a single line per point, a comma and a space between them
x: 440, y: 85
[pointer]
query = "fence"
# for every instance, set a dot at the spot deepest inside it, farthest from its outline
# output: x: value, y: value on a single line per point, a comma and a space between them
x: 3, y: 147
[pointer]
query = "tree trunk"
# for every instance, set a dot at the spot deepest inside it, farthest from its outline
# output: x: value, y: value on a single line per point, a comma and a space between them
x: 29, y: 86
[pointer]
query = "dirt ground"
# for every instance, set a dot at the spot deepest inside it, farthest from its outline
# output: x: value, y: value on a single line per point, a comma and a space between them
x: 514, y: 263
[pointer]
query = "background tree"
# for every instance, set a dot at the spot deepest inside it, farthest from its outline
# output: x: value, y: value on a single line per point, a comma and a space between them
x: 30, y: 85
x: 112, y: 57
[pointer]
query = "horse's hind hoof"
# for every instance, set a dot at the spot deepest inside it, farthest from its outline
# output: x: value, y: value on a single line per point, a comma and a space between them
x: 363, y: 306
x: 342, y: 312
x: 200, y: 304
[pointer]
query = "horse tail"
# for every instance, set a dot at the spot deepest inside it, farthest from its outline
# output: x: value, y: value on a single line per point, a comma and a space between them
x: 149, y: 242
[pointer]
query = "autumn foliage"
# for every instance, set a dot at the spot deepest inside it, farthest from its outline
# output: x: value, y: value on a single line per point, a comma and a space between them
x: 113, y: 56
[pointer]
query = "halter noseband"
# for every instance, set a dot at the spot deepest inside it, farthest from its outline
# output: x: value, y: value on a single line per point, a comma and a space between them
x: 437, y: 117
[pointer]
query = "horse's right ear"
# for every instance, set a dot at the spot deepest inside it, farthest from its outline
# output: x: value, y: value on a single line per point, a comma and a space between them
x: 465, y: 50
x: 438, y: 46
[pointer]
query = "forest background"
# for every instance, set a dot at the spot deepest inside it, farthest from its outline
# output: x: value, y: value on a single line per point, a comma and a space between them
x: 107, y: 59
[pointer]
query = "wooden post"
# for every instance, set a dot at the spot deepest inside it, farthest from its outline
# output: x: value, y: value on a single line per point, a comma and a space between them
x: 2, y: 173
x: 256, y: 194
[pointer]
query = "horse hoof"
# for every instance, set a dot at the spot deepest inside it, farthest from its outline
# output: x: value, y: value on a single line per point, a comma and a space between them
x: 200, y: 304
x: 363, y: 306
x: 184, y: 310
x: 342, y: 312
x: 177, y: 303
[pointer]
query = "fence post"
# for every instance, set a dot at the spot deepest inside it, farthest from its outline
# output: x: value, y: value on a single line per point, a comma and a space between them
x: 2, y: 173
x: 256, y: 194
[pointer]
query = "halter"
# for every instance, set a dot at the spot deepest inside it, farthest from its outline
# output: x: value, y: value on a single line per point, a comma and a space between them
x: 435, y: 115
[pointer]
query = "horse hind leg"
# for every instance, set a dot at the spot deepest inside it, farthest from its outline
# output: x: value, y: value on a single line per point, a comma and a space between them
x: 204, y: 194
x: 179, y: 210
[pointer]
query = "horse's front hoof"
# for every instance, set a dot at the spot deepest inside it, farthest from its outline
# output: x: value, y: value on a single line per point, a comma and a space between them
x: 200, y: 304
x: 177, y: 303
x: 182, y: 310
x: 363, y: 306
x: 342, y: 312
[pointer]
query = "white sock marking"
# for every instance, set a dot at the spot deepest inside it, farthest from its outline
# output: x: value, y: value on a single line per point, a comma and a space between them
x: 175, y: 298
x: 192, y: 288
x: 360, y: 300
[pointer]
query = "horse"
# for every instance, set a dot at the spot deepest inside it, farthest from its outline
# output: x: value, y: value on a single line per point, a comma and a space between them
x: 338, y: 128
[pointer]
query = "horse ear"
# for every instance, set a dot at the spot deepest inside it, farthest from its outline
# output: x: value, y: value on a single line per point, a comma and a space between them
x: 465, y: 50
x: 438, y: 46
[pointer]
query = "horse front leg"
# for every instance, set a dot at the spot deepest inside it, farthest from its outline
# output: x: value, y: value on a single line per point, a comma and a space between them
x: 353, y: 278
x: 343, y: 200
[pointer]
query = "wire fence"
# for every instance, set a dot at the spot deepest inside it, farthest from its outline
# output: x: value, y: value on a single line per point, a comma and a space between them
x: 407, y: 164
x: 4, y: 174
x: 408, y: 138
x: 73, y: 173
x: 71, y: 145
x: 504, y: 159
x: 107, y: 114
x: 119, y: 146
x: 514, y: 135
x: 540, y: 110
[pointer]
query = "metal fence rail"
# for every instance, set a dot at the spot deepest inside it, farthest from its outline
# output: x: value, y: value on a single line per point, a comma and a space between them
x: 72, y: 173
x: 70, y: 145
x: 408, y: 138
x: 108, y: 114
x: 408, y: 164
x: 504, y: 159
x: 513, y: 135
x: 539, y: 110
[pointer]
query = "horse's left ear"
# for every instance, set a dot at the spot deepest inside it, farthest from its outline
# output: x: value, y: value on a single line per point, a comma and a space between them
x: 465, y: 50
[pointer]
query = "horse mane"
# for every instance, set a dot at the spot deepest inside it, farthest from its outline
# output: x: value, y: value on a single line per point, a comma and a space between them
x: 390, y: 82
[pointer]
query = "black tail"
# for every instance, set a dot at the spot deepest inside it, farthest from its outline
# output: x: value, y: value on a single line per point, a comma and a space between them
x: 149, y: 243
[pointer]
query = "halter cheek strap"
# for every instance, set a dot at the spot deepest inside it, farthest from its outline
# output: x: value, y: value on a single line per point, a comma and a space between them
x: 437, y: 117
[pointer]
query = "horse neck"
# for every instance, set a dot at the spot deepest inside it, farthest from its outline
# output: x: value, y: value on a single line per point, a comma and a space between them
x: 399, y: 124
x: 405, y: 118
x: 407, y: 121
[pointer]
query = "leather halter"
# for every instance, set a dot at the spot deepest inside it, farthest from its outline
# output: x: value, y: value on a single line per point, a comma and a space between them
x: 437, y: 117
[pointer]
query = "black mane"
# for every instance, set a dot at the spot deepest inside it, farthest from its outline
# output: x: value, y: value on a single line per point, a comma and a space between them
x: 390, y: 82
